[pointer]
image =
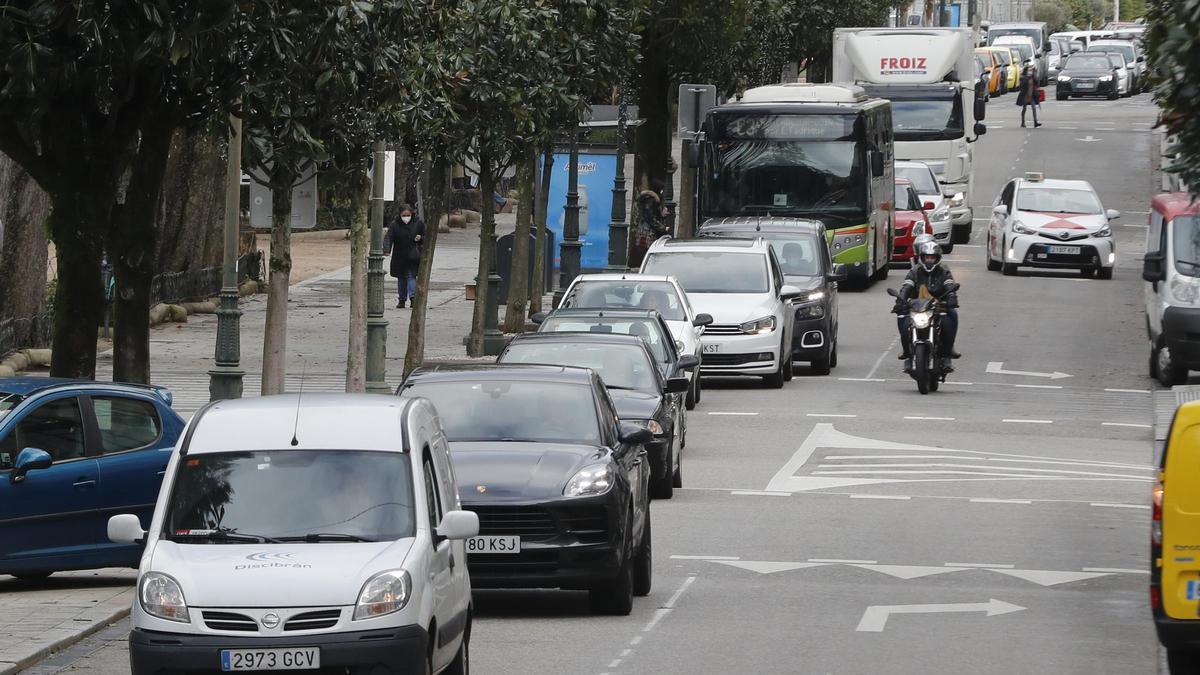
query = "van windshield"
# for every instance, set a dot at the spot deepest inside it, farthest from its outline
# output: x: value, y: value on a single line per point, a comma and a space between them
x: 290, y: 496
x: 1186, y: 239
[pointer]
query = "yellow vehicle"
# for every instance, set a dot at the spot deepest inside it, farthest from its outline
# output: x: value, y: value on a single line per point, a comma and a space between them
x: 1175, y: 543
x: 994, y: 70
x: 1011, y: 74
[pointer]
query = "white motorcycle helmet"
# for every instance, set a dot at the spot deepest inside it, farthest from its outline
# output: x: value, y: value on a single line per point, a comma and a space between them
x: 918, y: 242
x: 929, y: 255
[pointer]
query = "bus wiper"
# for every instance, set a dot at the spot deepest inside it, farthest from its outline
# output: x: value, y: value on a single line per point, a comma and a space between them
x: 829, y: 199
x: 224, y: 534
x: 318, y: 537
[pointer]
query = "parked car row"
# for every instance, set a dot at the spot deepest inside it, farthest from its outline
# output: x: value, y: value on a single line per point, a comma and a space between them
x: 1109, y: 68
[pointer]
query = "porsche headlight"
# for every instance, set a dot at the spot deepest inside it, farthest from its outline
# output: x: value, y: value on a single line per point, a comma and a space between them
x: 591, y: 480
x: 650, y: 425
x: 161, y: 596
x: 385, y: 593
x: 922, y: 319
x: 1022, y: 229
x: 759, y: 326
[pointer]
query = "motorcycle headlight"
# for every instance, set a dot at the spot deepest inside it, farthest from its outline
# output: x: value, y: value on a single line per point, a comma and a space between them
x: 957, y: 200
x: 591, y: 480
x: 759, y: 326
x: 1022, y: 229
x: 385, y: 593
x: 1106, y: 78
x: 1064, y: 78
x: 162, y: 597
x: 1105, y: 231
x: 922, y: 319
x: 650, y: 425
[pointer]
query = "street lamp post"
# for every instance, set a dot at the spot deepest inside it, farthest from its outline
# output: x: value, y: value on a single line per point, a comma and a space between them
x: 618, y: 229
x: 668, y: 196
x: 493, y: 338
x: 571, y: 248
x: 376, y: 324
x: 225, y: 379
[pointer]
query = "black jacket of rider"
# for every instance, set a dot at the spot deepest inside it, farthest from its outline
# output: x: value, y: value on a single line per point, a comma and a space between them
x: 935, y: 281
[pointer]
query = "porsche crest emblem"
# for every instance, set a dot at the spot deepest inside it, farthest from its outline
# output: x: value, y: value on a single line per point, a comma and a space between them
x: 481, y: 489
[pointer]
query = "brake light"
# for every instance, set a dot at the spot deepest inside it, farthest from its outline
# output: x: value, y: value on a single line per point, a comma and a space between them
x: 1156, y: 514
x: 1155, y: 600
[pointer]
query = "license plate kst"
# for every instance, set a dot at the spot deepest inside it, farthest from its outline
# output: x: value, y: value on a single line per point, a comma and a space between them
x: 712, y: 348
x: 1064, y: 250
x: 494, y: 544
x: 291, y: 658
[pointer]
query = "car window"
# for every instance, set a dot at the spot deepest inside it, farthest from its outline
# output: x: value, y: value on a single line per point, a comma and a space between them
x: 433, y: 500
x: 921, y: 177
x: 1185, y: 239
x: 1057, y: 200
x: 533, y: 411
x: 125, y: 423
x: 1091, y: 61
x: 712, y: 271
x: 56, y: 427
x: 906, y: 198
x: 646, y: 329
x: 8, y: 402
x: 656, y: 295
x: 1006, y: 196
x: 1154, y: 237
x: 624, y: 366
x: 798, y: 255
x: 1116, y: 60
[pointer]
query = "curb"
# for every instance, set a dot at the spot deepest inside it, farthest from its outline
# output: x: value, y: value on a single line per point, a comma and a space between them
x: 112, y: 616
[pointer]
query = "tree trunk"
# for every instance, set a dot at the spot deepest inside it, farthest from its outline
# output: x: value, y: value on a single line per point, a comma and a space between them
x: 133, y: 248
x: 538, y: 290
x: 23, y: 252
x: 518, y: 284
x: 192, y: 207
x: 77, y: 224
x: 652, y: 141
x: 439, y: 204
x: 275, y: 337
x: 360, y: 233
x: 487, y: 247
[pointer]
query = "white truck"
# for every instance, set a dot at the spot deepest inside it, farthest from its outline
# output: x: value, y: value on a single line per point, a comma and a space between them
x: 928, y: 75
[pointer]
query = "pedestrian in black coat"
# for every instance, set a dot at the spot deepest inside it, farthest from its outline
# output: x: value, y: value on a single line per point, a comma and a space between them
x: 405, y: 231
x: 1027, y: 94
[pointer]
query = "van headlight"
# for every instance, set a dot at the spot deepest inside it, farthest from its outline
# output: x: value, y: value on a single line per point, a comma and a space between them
x: 1186, y: 290
x: 383, y: 594
x: 922, y: 319
x: 589, y: 481
x: 161, y: 596
x: 759, y: 326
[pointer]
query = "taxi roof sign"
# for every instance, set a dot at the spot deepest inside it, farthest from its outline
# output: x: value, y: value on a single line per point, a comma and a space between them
x: 1035, y: 176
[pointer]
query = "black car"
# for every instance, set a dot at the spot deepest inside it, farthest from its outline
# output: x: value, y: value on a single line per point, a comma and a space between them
x: 647, y: 324
x: 1087, y: 74
x: 802, y: 247
x: 560, y: 484
x: 637, y: 387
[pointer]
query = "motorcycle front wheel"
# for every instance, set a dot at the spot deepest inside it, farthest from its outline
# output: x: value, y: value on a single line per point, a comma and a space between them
x: 921, y: 367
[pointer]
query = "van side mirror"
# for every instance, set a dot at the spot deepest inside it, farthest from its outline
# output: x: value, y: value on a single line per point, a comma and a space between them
x: 125, y: 529
x: 459, y: 525
x: 980, y: 109
x: 1153, y: 269
x: 29, y: 459
x: 687, y: 362
x: 836, y: 273
x: 980, y: 129
x: 876, y: 163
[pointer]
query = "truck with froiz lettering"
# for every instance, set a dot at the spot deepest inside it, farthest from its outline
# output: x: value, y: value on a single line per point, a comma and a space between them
x: 928, y: 75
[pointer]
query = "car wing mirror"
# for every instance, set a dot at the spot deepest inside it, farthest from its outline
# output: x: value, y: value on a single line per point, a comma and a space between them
x: 928, y: 206
x: 125, y: 528
x: 1112, y: 214
x: 687, y: 362
x: 1000, y: 210
x: 538, y: 318
x: 702, y: 320
x: 459, y: 525
x: 678, y: 385
x: 789, y: 292
x: 29, y: 459
x: 633, y: 434
x: 836, y: 273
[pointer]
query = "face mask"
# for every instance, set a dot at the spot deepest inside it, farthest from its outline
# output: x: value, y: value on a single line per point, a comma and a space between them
x: 406, y: 219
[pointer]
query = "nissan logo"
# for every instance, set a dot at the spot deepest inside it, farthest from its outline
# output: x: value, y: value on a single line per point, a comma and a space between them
x: 270, y: 620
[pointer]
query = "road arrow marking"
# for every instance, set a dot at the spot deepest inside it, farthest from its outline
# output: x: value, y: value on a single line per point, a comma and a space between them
x: 876, y: 616
x: 1088, y: 139
x: 1050, y: 577
x: 909, y: 571
x: 768, y: 567
x: 997, y: 368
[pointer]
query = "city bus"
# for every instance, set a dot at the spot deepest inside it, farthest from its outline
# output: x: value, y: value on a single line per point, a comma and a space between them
x: 805, y: 150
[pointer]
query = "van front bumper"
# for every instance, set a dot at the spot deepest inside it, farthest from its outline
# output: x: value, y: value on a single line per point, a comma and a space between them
x: 1181, y: 330
x: 391, y: 650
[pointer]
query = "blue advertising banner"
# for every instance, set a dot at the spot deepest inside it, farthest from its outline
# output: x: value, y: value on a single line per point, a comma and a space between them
x: 596, y: 174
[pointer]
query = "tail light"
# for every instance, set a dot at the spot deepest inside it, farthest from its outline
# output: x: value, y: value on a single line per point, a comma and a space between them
x: 1156, y: 514
x: 1155, y: 599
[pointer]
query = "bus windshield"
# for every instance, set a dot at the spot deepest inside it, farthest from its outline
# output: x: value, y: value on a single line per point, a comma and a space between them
x: 785, y: 177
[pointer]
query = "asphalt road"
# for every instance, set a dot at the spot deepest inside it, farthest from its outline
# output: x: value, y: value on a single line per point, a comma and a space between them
x: 847, y: 524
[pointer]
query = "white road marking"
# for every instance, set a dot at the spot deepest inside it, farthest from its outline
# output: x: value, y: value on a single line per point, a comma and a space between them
x: 909, y: 571
x: 997, y: 368
x: 861, y: 379
x: 839, y: 561
x: 884, y: 355
x: 1125, y: 424
x: 831, y: 415
x: 1115, y: 570
x: 759, y: 493
x: 989, y: 566
x: 876, y: 616
x: 1141, y: 225
x: 990, y: 500
x: 661, y: 612
x: 972, y: 245
x: 1051, y: 577
x: 1015, y: 421
x: 929, y: 419
x: 1088, y: 139
x: 735, y: 414
x: 1128, y: 391
x: 1038, y: 386
x: 897, y: 497
x: 637, y: 640
x: 705, y: 557
x: 767, y: 566
x: 626, y: 653
x: 1145, y: 507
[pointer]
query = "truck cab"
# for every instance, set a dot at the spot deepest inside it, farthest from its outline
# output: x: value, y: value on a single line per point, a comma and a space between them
x: 1171, y: 272
x: 928, y: 75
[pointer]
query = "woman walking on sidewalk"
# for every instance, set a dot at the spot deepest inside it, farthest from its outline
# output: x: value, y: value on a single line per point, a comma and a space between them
x: 403, y: 242
x: 1029, y: 94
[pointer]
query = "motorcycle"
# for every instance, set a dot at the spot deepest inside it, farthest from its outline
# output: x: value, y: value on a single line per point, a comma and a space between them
x: 925, y: 316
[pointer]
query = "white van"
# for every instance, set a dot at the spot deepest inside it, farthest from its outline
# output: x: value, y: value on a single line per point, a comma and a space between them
x: 1171, y: 270
x: 305, y: 533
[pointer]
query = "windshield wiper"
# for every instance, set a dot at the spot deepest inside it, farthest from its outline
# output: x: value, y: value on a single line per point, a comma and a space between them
x: 225, y: 535
x: 1189, y: 263
x: 829, y: 199
x: 619, y: 387
x: 318, y: 537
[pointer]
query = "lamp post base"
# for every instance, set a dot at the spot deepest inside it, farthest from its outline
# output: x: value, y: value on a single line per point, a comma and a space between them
x: 225, y: 382
x: 376, y: 356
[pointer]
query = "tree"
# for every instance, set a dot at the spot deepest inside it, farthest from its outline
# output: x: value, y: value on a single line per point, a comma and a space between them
x: 90, y: 94
x: 1173, y: 44
x: 1056, y: 14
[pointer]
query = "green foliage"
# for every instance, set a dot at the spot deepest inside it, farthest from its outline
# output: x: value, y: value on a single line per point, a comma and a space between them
x: 1055, y: 13
x: 1173, y: 44
x: 1087, y: 13
x: 1133, y: 9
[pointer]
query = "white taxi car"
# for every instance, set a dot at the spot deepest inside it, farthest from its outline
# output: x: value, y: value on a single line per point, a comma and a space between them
x: 1038, y: 222
x: 740, y: 283
x: 320, y: 534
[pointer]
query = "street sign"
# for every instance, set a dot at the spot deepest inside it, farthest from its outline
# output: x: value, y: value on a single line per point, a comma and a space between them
x: 304, y: 203
x: 695, y: 100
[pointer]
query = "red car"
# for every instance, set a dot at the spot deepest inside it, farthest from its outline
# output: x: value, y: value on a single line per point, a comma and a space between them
x: 911, y: 221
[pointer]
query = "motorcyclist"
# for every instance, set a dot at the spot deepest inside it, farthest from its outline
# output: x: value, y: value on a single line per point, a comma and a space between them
x: 929, y: 274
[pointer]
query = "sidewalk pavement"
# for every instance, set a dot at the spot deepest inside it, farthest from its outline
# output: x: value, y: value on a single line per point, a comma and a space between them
x: 318, y: 329
x: 40, y: 618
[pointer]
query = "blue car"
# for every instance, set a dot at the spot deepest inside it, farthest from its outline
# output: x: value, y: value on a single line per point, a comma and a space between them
x: 73, y: 453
